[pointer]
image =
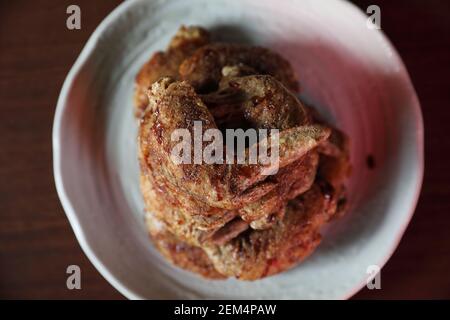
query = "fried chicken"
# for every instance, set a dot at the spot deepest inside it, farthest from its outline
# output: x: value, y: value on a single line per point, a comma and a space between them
x: 167, y: 63
x: 244, y: 220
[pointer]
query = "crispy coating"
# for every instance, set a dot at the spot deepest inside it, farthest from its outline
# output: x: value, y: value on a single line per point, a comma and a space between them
x: 174, y: 106
x: 258, y: 254
x: 180, y: 253
x: 182, y: 45
x: 233, y: 220
x: 261, y: 100
x: 203, y: 69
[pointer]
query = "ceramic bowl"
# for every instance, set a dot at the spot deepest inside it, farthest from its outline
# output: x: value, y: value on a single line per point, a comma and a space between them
x: 349, y: 71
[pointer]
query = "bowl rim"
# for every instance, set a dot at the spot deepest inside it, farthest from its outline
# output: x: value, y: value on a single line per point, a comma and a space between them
x: 89, y: 49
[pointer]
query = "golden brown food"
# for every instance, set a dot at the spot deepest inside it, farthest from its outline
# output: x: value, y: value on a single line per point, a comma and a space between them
x: 241, y: 220
x: 182, y: 45
x: 205, y: 67
x: 175, y: 105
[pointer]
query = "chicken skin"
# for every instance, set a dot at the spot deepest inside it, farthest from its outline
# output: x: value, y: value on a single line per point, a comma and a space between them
x: 241, y: 219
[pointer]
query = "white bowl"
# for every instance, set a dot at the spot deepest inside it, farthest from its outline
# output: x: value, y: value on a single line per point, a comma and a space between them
x: 350, y: 71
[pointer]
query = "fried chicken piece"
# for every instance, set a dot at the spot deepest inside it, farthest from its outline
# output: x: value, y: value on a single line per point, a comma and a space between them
x: 153, y: 160
x: 271, y: 93
x: 254, y: 254
x: 261, y: 101
x: 335, y: 166
x: 174, y: 106
x: 203, y: 69
x: 182, y: 45
x: 221, y: 220
x: 180, y: 253
x: 268, y: 104
x: 258, y: 254
x: 189, y: 224
x: 291, y: 181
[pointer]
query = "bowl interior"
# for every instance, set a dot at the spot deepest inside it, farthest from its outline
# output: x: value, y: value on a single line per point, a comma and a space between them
x: 350, y: 72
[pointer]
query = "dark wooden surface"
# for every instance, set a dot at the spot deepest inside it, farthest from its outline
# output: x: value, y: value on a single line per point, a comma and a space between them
x: 36, y: 240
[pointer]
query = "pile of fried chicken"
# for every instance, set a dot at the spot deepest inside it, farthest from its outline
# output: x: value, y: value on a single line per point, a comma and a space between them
x: 231, y: 220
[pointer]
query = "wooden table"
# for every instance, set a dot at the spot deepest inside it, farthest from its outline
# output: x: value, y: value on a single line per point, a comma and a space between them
x: 36, y: 240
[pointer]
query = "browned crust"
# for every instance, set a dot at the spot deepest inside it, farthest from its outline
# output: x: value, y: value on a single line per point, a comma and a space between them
x: 220, y: 220
x: 182, y: 254
x: 182, y: 45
